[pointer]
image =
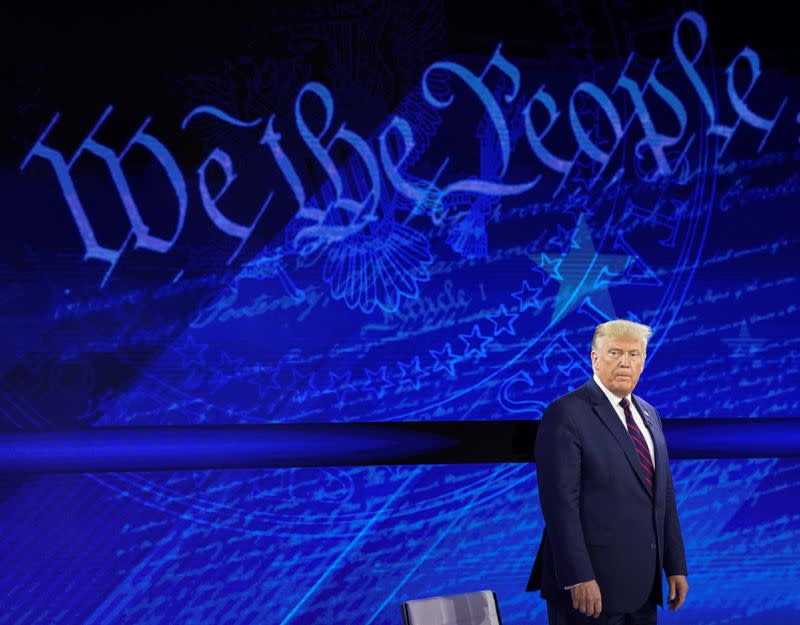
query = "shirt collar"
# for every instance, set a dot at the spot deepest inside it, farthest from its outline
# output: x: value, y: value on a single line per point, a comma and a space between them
x: 614, y: 399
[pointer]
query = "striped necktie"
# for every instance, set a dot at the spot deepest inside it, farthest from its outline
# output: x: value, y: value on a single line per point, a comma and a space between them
x: 639, y: 444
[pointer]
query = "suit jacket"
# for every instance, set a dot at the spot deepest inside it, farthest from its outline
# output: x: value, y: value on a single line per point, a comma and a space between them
x: 600, y: 521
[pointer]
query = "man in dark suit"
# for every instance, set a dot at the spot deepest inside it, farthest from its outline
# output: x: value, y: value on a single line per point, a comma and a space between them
x: 605, y: 486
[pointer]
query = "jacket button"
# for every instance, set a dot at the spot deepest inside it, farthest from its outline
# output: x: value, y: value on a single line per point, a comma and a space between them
x: 652, y: 545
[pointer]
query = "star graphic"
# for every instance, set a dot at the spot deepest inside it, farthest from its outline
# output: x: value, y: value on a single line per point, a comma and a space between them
x: 564, y: 240
x: 377, y: 381
x: 262, y: 378
x: 635, y: 270
x: 412, y: 373
x: 744, y: 346
x: 445, y: 360
x: 191, y: 352
x: 282, y: 378
x: 503, y: 321
x: 341, y: 385
x: 304, y: 384
x: 227, y: 369
x: 584, y: 271
x: 475, y: 342
x: 526, y: 297
x: 550, y: 268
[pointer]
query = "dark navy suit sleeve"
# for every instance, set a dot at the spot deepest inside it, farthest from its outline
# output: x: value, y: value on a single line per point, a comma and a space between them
x: 674, y: 553
x: 558, y: 472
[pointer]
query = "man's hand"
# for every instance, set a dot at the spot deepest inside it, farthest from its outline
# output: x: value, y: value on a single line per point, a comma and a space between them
x: 586, y: 598
x: 678, y: 587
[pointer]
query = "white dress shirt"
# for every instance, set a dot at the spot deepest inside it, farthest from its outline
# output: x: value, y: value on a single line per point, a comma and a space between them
x: 614, y: 400
x: 636, y: 416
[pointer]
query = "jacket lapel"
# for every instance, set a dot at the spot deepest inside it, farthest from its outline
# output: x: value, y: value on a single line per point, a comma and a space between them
x: 646, y: 416
x: 611, y: 420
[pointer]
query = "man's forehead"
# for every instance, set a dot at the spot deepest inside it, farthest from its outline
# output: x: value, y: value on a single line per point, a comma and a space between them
x: 628, y: 343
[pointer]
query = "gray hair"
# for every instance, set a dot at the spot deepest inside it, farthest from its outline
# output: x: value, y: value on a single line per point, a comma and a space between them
x: 622, y: 329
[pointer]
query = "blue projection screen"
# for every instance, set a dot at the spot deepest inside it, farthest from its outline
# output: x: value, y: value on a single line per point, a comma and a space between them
x: 286, y: 290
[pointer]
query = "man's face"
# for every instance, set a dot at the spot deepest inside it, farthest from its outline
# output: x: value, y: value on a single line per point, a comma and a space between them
x: 618, y: 363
